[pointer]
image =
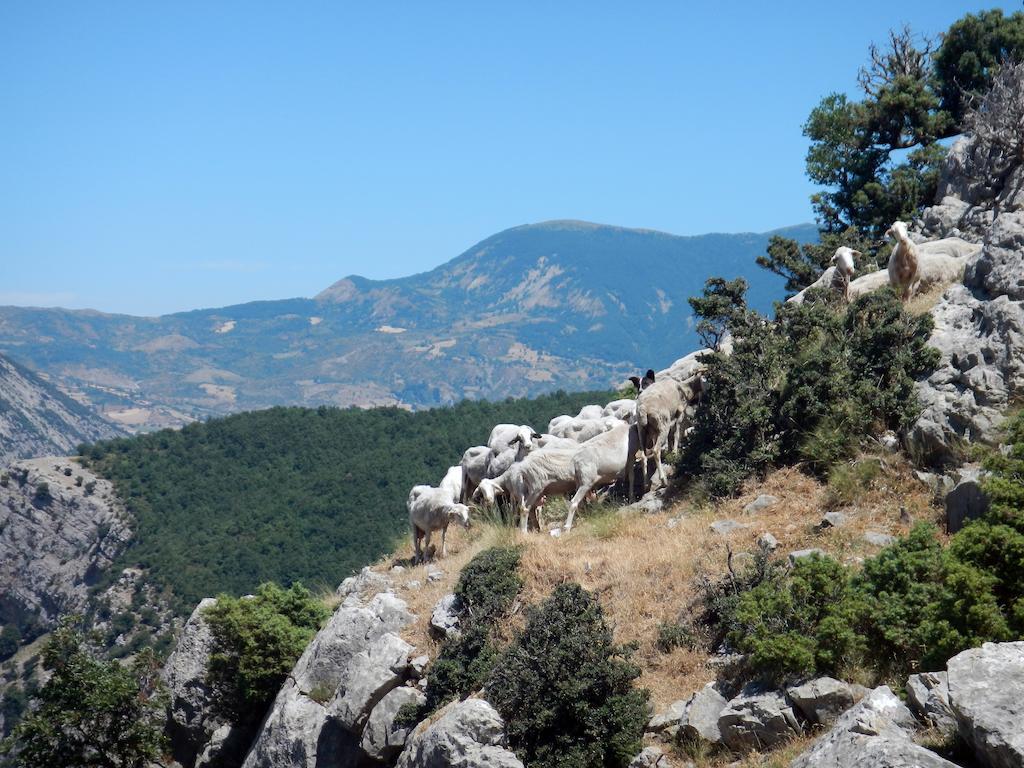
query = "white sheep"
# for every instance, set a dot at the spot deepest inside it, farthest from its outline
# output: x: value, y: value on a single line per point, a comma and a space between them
x: 590, y: 412
x: 515, y: 449
x: 556, y: 422
x: 431, y: 509
x: 452, y: 482
x: 551, y: 441
x: 582, y: 430
x: 526, y: 483
x: 601, y: 461
x: 842, y: 259
x: 624, y: 409
x: 660, y: 412
x: 474, y: 469
x: 903, y: 262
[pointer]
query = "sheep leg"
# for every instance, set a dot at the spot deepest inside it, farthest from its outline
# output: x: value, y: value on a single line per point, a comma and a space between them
x: 524, y: 516
x: 444, y: 545
x: 661, y: 468
x: 418, y: 556
x: 577, y: 499
x: 426, y: 545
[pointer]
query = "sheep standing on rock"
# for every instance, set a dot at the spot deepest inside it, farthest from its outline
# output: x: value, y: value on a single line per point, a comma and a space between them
x: 432, y: 509
x: 842, y: 259
x: 903, y: 262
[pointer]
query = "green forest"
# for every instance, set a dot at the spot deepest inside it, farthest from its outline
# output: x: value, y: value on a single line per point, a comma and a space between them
x: 290, y: 494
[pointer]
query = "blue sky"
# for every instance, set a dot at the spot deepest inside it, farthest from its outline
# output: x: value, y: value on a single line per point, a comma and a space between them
x: 159, y: 157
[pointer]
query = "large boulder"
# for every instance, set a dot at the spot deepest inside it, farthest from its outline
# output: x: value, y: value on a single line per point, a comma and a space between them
x: 966, y: 501
x: 468, y: 734
x: 382, y: 740
x: 190, y: 722
x: 986, y: 694
x: 821, y: 700
x: 700, y: 721
x: 318, y: 717
x: 872, y: 734
x: 979, y: 332
x: 668, y: 722
x: 757, y: 719
x: 928, y: 697
x: 445, y: 619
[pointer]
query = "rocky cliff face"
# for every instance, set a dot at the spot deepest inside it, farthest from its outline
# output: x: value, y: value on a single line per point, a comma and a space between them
x: 979, y: 324
x: 60, y: 527
x: 39, y: 419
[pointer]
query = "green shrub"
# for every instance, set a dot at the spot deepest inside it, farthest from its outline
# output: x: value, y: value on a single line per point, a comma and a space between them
x: 43, y: 494
x: 257, y: 641
x: 566, y: 690
x: 799, y: 624
x: 90, y: 712
x: 10, y: 641
x: 806, y: 388
x: 486, y: 589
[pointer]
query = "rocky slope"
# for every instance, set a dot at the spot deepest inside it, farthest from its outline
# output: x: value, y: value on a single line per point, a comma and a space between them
x: 38, y: 419
x: 556, y: 305
x: 60, y: 528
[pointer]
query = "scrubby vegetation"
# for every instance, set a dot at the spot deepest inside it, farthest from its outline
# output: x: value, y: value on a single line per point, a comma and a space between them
x: 257, y: 641
x: 911, y: 607
x: 807, y: 388
x: 289, y: 494
x: 565, y: 689
x: 90, y: 712
x: 486, y: 589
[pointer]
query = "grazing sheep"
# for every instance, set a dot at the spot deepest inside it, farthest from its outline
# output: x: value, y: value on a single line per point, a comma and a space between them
x: 601, y: 461
x: 660, y: 413
x: 590, y: 412
x: 431, y: 509
x: 542, y: 473
x: 624, y: 409
x: 550, y: 441
x: 514, y: 450
x: 582, y: 430
x: 903, y: 262
x: 452, y: 482
x: 556, y: 422
x: 842, y: 259
x: 641, y: 384
x: 474, y: 469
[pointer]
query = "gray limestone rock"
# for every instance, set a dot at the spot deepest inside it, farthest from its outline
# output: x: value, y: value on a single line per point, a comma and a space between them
x: 468, y: 734
x: 702, y: 712
x: 381, y: 739
x: 928, y: 697
x: 986, y: 694
x: 966, y: 501
x: 821, y: 700
x: 761, y: 503
x: 444, y: 620
x: 871, y: 734
x: 757, y: 719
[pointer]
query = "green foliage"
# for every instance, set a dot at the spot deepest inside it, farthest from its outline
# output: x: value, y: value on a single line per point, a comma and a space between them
x: 91, y: 712
x: 721, y: 301
x: 289, y: 494
x: 10, y: 641
x: 971, y: 52
x: 801, y: 265
x: 566, y: 690
x: 12, y: 709
x: 806, y: 388
x: 257, y: 641
x: 42, y: 494
x: 486, y: 589
x: 797, y: 624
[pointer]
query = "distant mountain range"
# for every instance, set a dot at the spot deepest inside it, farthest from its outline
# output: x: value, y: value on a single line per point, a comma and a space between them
x: 561, y: 304
x: 38, y: 419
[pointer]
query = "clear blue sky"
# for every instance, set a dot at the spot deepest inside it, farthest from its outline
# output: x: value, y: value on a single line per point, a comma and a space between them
x: 158, y: 157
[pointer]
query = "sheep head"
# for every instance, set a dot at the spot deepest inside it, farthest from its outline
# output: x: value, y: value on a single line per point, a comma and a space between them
x: 898, y: 231
x: 458, y: 513
x: 488, y: 491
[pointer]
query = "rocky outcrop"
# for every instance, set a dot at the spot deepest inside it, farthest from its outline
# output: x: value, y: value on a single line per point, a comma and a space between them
x: 468, y: 734
x: 822, y: 700
x: 39, y: 419
x: 758, y: 720
x: 321, y: 715
x: 382, y: 739
x: 928, y: 697
x: 60, y: 527
x: 874, y: 733
x: 190, y: 722
x: 445, y: 621
x: 985, y: 694
x: 966, y: 501
x: 700, y: 721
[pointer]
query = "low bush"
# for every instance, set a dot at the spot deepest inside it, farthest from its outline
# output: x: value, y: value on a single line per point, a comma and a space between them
x: 566, y: 690
x: 257, y: 641
x: 804, y: 389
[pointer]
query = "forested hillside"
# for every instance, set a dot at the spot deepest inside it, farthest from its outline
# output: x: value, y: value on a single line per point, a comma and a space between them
x: 290, y: 494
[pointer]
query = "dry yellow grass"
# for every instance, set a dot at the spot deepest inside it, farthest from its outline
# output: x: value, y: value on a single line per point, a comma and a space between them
x: 644, y: 571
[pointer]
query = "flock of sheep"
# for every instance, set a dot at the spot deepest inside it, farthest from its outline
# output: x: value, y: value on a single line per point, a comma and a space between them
x: 520, y: 468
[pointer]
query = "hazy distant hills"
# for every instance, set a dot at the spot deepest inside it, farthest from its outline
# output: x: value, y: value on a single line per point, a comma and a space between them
x: 38, y: 419
x: 562, y: 304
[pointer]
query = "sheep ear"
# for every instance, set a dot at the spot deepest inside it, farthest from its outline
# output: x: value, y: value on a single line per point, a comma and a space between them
x: 858, y: 254
x: 516, y: 439
x: 649, y: 374
x: 535, y: 436
x: 636, y: 381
